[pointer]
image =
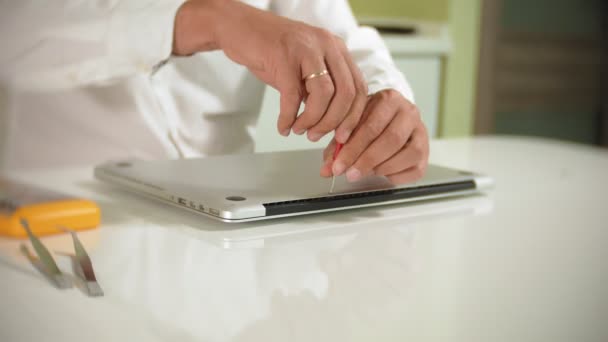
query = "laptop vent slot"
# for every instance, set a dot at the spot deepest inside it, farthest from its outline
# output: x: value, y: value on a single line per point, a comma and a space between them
x: 349, y: 200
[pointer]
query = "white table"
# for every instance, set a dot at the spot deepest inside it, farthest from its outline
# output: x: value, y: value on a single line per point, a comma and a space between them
x: 526, y: 263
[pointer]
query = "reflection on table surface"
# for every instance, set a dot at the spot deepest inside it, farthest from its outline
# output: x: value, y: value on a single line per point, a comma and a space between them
x: 327, y: 263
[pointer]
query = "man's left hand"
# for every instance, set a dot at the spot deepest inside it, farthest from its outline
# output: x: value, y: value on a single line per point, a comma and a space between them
x: 390, y: 140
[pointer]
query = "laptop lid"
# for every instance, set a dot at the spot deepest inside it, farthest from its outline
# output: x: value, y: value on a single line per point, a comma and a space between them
x: 239, y: 188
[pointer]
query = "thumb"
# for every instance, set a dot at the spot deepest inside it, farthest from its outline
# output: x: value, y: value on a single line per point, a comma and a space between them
x: 328, y: 153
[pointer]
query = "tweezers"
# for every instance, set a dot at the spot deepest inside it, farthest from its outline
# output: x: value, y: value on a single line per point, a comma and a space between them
x: 83, y: 266
x: 45, y: 262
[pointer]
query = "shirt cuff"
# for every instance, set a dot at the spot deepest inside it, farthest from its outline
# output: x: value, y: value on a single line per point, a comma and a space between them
x: 373, y: 58
x: 140, y: 36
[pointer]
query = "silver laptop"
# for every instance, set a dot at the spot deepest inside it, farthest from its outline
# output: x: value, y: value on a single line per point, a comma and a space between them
x: 249, y: 187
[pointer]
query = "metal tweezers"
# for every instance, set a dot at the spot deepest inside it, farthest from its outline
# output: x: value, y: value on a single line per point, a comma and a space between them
x: 83, y: 266
x: 46, y: 264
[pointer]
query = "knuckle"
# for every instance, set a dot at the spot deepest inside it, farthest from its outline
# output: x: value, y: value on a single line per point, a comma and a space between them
x: 348, y: 93
x: 361, y: 89
x: 406, y: 121
x: 340, y: 42
x: 388, y: 94
x: 395, y: 137
x: 373, y: 128
x: 298, y: 42
x: 308, y: 53
x: 418, y: 154
x: 326, y: 89
x: 392, y: 96
x: 412, y: 109
x: 416, y: 145
x: 418, y: 148
x: 324, y: 35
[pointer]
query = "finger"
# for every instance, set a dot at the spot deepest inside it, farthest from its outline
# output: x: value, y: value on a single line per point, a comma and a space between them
x: 291, y: 97
x: 410, y: 175
x: 355, y: 112
x: 412, y: 154
x: 392, y: 139
x: 326, y: 169
x: 343, y: 96
x: 319, y: 90
x: 376, y: 117
x: 328, y: 154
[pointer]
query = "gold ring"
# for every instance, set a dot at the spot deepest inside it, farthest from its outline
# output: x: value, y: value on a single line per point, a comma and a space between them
x: 311, y: 76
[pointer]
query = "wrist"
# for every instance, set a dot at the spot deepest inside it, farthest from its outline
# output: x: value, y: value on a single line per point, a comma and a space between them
x: 195, y: 28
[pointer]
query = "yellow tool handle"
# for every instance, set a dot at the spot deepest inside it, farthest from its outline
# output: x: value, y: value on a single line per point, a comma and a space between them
x: 44, y: 218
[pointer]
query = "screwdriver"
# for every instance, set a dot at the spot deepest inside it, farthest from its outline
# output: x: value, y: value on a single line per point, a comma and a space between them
x: 333, y: 178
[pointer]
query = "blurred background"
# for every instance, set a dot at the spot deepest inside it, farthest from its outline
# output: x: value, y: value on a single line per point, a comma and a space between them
x: 504, y: 66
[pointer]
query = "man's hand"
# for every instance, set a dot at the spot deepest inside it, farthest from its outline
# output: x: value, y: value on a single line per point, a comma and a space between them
x: 281, y: 52
x: 390, y: 141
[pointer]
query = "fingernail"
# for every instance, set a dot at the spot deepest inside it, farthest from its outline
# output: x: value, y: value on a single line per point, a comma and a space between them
x: 285, y: 132
x: 315, y: 136
x: 338, y: 168
x: 298, y: 131
x: 353, y: 175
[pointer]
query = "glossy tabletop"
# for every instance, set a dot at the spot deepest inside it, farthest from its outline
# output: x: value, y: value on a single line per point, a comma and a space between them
x: 527, y: 262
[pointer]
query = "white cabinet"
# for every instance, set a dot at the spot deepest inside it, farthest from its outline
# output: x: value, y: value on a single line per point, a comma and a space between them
x: 419, y: 57
x: 424, y: 75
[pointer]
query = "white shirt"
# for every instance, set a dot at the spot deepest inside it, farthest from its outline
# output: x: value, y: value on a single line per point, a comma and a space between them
x: 82, y: 82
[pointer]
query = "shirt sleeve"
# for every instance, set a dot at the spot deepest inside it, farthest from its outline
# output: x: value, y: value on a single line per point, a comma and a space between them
x: 69, y: 43
x: 364, y: 43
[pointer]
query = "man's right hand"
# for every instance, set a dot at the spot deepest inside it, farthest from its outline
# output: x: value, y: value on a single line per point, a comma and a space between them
x: 282, y: 53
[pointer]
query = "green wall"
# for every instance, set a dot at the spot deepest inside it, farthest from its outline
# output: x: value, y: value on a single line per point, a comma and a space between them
x: 433, y: 10
x: 460, y: 73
